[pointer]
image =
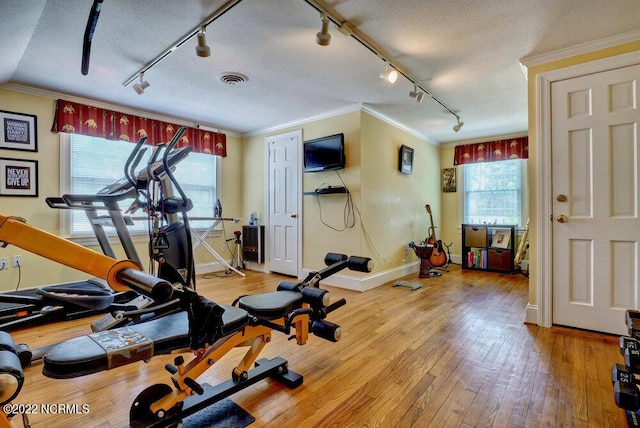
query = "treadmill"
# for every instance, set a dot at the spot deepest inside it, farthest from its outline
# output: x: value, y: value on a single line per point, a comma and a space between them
x: 22, y: 308
x: 80, y: 299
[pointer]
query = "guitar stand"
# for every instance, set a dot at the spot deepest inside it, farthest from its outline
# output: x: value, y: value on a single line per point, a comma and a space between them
x: 426, y: 268
x: 516, y: 272
x: 449, y: 261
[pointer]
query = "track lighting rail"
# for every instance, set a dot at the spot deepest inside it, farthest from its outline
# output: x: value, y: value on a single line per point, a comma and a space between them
x: 211, y: 18
x: 343, y: 26
x: 347, y: 29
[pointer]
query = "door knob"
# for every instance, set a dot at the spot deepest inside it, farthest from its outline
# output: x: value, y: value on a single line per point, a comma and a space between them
x: 293, y: 215
x: 562, y: 218
x: 562, y: 198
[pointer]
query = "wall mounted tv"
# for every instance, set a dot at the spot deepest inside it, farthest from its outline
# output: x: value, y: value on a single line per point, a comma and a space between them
x: 323, y: 154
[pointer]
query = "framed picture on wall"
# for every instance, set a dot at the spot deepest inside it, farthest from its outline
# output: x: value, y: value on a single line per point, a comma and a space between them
x: 18, y: 177
x: 18, y: 131
x: 406, y: 160
x: 448, y: 180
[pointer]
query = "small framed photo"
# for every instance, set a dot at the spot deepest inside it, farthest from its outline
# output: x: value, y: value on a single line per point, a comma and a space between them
x: 406, y: 160
x: 18, y: 131
x: 18, y: 177
x: 501, y: 238
x: 448, y: 180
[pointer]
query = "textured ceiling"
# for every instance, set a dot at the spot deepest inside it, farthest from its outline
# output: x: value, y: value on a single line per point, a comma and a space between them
x: 466, y: 52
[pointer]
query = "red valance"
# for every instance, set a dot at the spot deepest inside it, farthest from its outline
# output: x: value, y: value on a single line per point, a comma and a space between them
x: 491, y: 151
x: 76, y: 118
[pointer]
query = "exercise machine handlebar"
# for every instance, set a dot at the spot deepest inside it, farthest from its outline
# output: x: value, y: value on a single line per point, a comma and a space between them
x: 357, y: 263
x: 335, y: 263
x: 121, y: 275
x: 156, y: 288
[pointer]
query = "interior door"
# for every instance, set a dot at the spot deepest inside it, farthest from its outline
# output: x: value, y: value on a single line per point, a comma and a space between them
x: 596, y: 229
x: 284, y: 202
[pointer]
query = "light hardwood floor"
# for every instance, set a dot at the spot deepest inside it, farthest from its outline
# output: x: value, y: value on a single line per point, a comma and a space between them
x: 453, y: 353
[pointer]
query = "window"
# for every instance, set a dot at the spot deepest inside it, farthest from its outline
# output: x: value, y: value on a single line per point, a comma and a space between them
x: 88, y: 164
x: 495, y: 192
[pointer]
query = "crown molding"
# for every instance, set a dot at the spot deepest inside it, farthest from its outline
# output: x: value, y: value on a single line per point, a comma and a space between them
x: 582, y: 48
x: 338, y: 112
x: 44, y: 93
x: 298, y: 122
x: 373, y: 112
x: 29, y: 90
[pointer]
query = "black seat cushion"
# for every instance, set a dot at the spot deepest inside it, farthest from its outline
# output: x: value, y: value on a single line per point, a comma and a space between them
x: 270, y: 306
x: 84, y: 355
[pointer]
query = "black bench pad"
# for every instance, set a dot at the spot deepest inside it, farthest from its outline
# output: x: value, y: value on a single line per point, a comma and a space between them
x: 81, y: 356
x: 270, y: 306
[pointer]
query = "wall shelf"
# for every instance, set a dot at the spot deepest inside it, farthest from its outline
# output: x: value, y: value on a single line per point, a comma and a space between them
x: 327, y: 190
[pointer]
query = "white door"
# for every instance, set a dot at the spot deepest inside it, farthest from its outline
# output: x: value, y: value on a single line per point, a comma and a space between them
x: 284, y: 202
x: 595, y: 190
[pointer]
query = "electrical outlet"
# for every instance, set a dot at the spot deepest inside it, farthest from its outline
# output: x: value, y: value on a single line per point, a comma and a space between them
x: 223, y: 248
x: 17, y: 261
x: 4, y: 263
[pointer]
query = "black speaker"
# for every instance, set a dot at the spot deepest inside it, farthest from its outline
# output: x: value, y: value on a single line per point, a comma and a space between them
x: 253, y: 244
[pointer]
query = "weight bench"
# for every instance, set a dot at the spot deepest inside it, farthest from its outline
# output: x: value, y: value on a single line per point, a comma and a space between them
x: 110, y: 349
x: 209, y: 331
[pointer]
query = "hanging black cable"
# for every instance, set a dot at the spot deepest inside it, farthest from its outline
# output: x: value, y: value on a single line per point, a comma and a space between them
x: 88, y: 35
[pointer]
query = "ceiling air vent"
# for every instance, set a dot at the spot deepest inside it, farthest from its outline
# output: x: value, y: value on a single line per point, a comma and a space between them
x: 233, y: 78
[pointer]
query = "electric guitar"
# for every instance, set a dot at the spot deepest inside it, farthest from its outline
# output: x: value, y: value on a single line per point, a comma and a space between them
x: 438, y: 257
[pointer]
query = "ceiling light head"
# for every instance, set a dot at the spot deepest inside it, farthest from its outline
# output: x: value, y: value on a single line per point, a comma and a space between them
x: 389, y: 74
x: 415, y: 92
x: 323, y: 38
x: 202, y: 50
x: 420, y: 97
x: 141, y: 86
x: 458, y: 126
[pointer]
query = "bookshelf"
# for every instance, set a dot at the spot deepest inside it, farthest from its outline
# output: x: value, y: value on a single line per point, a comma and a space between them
x: 489, y: 247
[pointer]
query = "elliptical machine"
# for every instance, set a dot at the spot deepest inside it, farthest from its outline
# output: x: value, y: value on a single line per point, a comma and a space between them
x: 170, y: 247
x: 170, y: 250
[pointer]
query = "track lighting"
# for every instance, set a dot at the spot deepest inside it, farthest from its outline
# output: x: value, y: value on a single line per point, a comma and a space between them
x: 458, y: 125
x: 389, y: 74
x: 141, y: 86
x: 323, y: 38
x: 418, y: 95
x: 202, y: 50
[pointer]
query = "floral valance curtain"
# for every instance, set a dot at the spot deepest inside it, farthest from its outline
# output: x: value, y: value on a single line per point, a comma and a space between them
x: 491, y: 151
x: 76, y: 118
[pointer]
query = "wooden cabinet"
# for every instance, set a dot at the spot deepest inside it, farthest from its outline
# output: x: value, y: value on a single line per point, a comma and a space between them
x: 489, y: 247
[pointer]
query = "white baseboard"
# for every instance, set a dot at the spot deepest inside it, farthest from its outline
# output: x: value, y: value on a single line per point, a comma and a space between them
x: 258, y: 267
x: 204, y: 268
x: 209, y: 267
x: 531, y: 316
x: 365, y: 283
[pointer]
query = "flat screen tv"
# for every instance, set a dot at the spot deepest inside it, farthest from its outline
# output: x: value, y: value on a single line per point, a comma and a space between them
x: 323, y: 154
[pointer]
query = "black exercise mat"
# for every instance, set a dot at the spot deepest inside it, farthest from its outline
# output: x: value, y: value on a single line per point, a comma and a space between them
x: 223, y: 414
